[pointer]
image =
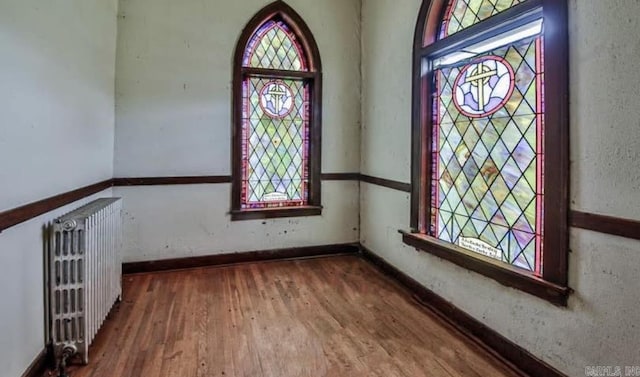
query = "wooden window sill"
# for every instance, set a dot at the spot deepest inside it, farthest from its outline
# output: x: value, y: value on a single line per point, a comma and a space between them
x: 506, y: 275
x: 270, y: 213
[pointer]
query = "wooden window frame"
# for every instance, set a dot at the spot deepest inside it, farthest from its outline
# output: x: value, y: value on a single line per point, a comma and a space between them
x: 553, y: 284
x: 313, y: 77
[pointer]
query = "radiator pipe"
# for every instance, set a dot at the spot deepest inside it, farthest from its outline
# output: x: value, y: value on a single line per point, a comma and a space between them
x: 67, y: 353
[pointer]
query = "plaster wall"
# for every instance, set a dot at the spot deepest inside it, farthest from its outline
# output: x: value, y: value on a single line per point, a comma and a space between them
x: 57, y: 75
x: 173, y: 118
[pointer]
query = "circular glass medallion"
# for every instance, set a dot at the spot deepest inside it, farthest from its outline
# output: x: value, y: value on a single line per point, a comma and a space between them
x: 483, y: 86
x: 276, y: 99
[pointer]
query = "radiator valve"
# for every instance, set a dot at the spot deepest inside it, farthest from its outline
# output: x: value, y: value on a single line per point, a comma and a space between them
x: 67, y: 352
x: 69, y: 225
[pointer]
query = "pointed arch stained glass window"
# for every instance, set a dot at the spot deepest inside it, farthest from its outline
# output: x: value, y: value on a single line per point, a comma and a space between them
x: 276, y: 114
x: 487, y: 152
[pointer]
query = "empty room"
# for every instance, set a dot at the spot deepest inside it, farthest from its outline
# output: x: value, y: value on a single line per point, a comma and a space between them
x: 319, y: 188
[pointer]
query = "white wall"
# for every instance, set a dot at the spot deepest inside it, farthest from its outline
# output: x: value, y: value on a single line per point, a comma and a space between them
x: 57, y: 73
x: 173, y: 117
x: 181, y: 221
x: 56, y: 88
x: 601, y: 325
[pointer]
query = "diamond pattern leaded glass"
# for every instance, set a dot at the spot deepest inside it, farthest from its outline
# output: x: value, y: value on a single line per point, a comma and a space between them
x: 487, y: 165
x: 461, y: 14
x: 275, y: 122
x: 274, y: 46
x: 275, y: 143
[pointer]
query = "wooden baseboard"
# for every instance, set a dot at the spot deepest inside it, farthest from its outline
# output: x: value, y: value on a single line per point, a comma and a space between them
x: 38, y: 365
x: 233, y: 258
x: 487, y: 338
x: 179, y: 180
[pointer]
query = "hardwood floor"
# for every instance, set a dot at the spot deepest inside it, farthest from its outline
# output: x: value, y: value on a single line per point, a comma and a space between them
x: 336, y: 316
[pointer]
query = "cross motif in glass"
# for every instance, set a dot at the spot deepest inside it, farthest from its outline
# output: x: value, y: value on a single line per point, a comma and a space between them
x: 482, y: 87
x: 276, y: 99
x: 479, y: 77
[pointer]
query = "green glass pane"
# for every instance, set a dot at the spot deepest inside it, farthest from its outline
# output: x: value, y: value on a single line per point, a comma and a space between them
x: 530, y: 214
x: 530, y: 56
x: 530, y: 254
x: 500, y: 154
x: 530, y: 173
x: 479, y: 187
x: 273, y: 46
x: 531, y: 96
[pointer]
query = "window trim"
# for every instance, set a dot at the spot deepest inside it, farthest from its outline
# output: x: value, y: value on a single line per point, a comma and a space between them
x: 553, y: 284
x: 313, y: 76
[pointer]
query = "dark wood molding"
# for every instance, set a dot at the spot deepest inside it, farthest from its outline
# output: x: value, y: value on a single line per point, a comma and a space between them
x: 286, y: 74
x: 501, y: 347
x: 272, y: 213
x: 179, y: 180
x: 425, y: 33
x: 312, y: 77
x: 209, y: 179
x: 38, y: 365
x: 340, y: 176
x: 555, y: 261
x: 504, y: 274
x: 26, y: 212
x: 388, y: 183
x: 243, y: 257
x: 605, y: 224
x: 591, y: 221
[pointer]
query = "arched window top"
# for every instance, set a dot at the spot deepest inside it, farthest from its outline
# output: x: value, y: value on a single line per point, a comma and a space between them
x: 461, y: 14
x: 277, y: 38
x: 275, y: 46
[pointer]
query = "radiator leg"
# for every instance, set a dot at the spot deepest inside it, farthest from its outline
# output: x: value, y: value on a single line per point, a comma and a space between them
x: 67, y: 353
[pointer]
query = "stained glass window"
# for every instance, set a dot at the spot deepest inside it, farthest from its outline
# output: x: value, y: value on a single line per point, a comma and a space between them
x: 275, y: 143
x: 276, y: 119
x: 487, y: 182
x: 461, y: 14
x: 490, y: 140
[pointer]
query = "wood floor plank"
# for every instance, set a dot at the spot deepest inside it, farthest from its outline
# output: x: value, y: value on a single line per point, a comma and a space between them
x: 323, y: 317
